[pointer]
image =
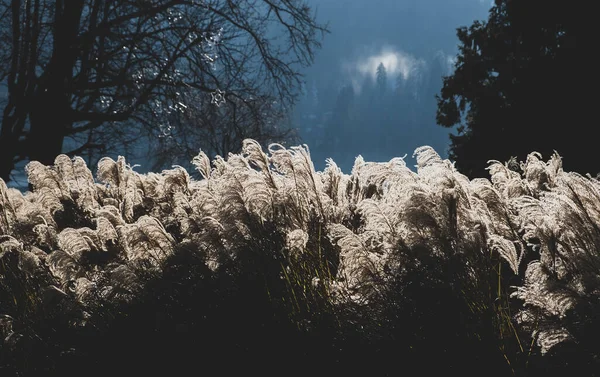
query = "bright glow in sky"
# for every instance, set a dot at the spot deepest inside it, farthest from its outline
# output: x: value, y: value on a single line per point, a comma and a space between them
x: 396, y: 62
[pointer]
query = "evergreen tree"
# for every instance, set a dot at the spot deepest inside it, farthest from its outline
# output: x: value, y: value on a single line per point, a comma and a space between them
x: 314, y: 93
x: 339, y: 128
x: 516, y: 87
x: 381, y: 79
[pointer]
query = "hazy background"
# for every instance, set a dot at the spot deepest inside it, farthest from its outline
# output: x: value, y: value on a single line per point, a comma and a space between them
x: 416, y: 42
x: 344, y: 109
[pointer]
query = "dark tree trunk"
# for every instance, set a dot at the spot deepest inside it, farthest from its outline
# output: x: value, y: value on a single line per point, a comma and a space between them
x: 50, y: 115
x: 6, y: 159
x: 11, y: 128
x: 49, y: 120
x: 7, y: 152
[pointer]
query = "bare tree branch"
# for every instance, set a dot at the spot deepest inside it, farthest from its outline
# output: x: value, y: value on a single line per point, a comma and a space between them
x: 107, y: 69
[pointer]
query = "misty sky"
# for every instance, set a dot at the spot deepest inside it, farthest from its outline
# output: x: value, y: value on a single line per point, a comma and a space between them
x: 406, y: 36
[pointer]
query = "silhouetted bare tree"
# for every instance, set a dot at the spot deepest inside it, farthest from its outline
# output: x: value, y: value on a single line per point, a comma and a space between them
x: 102, y: 73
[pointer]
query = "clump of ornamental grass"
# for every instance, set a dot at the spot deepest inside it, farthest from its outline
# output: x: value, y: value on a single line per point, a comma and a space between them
x: 102, y: 245
x: 420, y: 274
x: 385, y: 265
x: 559, y: 218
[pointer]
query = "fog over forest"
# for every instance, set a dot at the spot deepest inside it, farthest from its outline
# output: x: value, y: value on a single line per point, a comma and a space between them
x: 346, y: 111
